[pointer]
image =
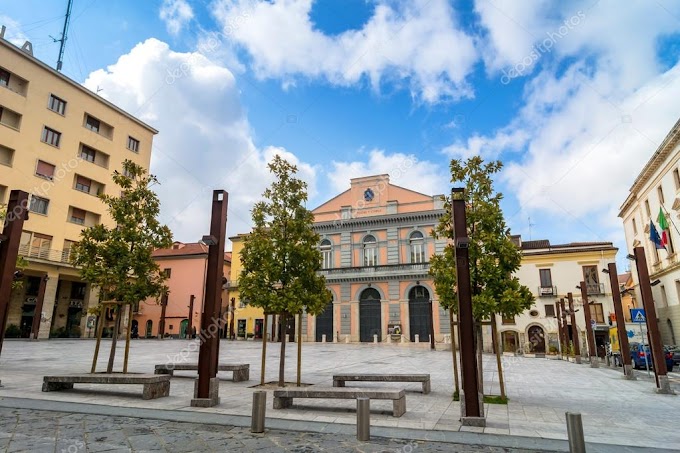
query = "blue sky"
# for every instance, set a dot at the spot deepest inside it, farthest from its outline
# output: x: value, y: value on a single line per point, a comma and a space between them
x: 574, y: 97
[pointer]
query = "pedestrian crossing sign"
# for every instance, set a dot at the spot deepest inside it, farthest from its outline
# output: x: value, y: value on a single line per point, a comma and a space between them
x: 638, y: 315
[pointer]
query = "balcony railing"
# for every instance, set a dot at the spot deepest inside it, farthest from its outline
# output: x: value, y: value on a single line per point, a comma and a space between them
x: 57, y: 256
x: 547, y: 291
x: 595, y: 288
x: 370, y: 270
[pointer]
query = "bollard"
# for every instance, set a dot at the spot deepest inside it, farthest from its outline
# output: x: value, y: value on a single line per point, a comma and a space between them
x: 417, y: 338
x: 323, y: 338
x: 363, y: 419
x: 259, y: 409
x: 401, y: 340
x: 347, y: 339
x: 577, y: 443
x: 375, y: 338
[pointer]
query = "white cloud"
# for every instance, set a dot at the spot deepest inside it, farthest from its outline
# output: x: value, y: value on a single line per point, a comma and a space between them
x: 176, y: 14
x: 13, y: 31
x: 418, y: 44
x: 205, y: 140
x: 405, y: 170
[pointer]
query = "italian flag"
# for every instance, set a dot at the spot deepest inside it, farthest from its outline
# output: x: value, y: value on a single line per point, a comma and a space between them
x: 663, y: 226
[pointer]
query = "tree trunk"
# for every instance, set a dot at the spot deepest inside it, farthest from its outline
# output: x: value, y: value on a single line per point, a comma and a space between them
x: 480, y: 366
x: 282, y: 360
x: 299, y: 349
x: 497, y: 348
x: 453, y: 352
x: 114, y: 340
x: 264, y: 349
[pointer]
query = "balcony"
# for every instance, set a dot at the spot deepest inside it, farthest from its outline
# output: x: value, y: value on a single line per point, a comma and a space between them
x: 40, y: 253
x: 547, y: 291
x: 595, y: 288
x: 371, y: 272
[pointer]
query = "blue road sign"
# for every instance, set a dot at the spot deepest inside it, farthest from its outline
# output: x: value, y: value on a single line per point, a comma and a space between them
x: 638, y: 315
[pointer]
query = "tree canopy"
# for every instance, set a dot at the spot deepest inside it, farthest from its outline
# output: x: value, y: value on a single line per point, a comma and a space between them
x: 493, y: 255
x: 280, y: 257
x: 119, y: 259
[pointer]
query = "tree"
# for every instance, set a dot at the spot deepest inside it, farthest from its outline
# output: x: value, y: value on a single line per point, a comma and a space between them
x: 22, y: 263
x: 493, y: 256
x: 280, y: 257
x: 118, y: 260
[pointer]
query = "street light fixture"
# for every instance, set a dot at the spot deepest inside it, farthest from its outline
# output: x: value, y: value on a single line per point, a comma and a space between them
x: 655, y: 282
x: 606, y: 271
x: 630, y: 257
x: 208, y: 240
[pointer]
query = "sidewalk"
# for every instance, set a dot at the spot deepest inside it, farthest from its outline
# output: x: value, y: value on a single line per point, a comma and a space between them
x: 540, y: 392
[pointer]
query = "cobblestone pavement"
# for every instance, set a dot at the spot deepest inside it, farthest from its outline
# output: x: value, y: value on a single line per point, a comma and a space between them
x: 60, y: 432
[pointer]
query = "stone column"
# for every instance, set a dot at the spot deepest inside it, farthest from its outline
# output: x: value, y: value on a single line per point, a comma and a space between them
x: 405, y: 322
x: 48, y: 304
x: 354, y: 317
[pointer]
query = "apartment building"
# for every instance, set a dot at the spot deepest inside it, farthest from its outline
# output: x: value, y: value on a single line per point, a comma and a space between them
x: 657, y: 188
x: 551, y: 271
x: 61, y: 143
x: 179, y: 313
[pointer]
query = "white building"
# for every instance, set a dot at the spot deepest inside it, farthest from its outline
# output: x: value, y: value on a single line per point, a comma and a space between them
x: 550, y: 272
x: 658, y: 186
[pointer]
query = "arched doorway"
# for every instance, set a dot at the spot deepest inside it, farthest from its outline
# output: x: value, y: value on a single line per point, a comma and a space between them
x: 536, y: 336
x: 134, y: 333
x: 183, y: 326
x: 510, y: 341
x: 324, y: 323
x: 369, y: 315
x: 419, y: 313
x: 149, y: 329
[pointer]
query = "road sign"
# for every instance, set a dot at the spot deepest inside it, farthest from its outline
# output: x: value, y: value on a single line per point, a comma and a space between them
x: 593, y: 323
x: 638, y: 315
x: 631, y: 334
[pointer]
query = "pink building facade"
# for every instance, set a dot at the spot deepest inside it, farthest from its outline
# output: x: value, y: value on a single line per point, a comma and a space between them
x: 376, y: 244
x: 185, y: 265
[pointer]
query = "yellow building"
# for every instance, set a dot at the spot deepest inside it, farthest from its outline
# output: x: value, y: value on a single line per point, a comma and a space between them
x: 246, y: 318
x: 61, y: 143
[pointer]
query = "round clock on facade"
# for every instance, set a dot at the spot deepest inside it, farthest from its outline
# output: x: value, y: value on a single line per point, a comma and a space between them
x: 368, y: 194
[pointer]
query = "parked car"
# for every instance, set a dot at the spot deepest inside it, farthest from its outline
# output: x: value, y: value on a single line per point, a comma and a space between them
x: 641, y: 357
x: 675, y: 350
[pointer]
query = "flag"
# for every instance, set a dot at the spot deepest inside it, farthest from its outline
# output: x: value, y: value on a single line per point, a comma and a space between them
x: 654, y: 236
x: 663, y: 226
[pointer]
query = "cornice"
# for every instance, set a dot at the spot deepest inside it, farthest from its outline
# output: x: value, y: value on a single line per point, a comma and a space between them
x: 383, y: 220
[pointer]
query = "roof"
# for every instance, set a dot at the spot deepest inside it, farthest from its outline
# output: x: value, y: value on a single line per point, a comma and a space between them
x: 623, y: 278
x: 540, y: 244
x: 75, y: 84
x: 189, y: 249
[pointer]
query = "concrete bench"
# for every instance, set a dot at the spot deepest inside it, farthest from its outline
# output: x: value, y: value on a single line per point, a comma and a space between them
x: 241, y: 371
x: 339, y: 379
x: 283, y: 398
x: 154, y: 386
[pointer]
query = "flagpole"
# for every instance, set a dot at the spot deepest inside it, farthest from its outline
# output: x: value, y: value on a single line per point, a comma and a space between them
x: 668, y: 216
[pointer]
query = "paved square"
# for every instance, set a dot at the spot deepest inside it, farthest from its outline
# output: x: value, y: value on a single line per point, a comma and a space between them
x: 615, y: 411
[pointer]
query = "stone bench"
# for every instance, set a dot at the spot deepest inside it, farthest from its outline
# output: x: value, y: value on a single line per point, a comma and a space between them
x: 241, y: 371
x: 283, y: 398
x: 154, y: 386
x: 339, y: 379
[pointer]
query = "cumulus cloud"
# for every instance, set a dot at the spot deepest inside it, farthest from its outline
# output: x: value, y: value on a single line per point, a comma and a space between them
x: 418, y: 44
x: 13, y: 31
x: 176, y: 14
x: 405, y: 170
x: 205, y: 139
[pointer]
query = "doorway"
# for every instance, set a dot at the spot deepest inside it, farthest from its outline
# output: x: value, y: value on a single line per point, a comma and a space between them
x: 370, y: 315
x: 419, y: 314
x: 324, y: 324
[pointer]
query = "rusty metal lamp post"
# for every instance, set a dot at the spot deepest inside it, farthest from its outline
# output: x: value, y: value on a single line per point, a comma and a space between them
x: 471, y: 407
x: 590, y: 334
x: 662, y: 384
x: 206, y: 388
x: 37, y: 313
x: 574, y: 330
x: 17, y: 212
x: 624, y: 348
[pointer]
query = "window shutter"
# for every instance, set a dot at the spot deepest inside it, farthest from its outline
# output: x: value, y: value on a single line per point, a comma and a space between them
x: 45, y: 169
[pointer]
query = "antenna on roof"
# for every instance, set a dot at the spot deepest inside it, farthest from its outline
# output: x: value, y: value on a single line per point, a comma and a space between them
x: 530, y: 225
x: 62, y: 47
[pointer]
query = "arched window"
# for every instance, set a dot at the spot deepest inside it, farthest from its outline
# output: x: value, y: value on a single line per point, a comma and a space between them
x: 326, y: 254
x: 370, y: 251
x: 417, y: 243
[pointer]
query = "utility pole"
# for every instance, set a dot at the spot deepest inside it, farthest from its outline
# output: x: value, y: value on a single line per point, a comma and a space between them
x: 472, y: 410
x: 624, y: 348
x: 574, y: 330
x: 206, y: 390
x: 662, y: 384
x: 17, y: 212
x: 62, y: 40
x: 590, y: 335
